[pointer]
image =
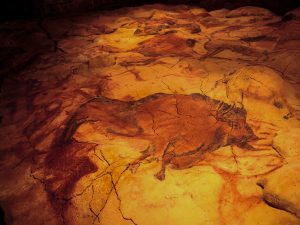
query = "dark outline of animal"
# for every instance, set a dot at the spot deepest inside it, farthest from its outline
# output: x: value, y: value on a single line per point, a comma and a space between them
x: 122, y: 112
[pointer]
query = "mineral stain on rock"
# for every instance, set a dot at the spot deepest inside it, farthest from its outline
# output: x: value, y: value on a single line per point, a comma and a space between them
x: 169, y: 44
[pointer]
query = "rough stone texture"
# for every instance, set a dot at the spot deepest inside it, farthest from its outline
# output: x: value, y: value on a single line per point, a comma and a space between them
x: 281, y: 188
x: 151, y: 115
x: 294, y: 14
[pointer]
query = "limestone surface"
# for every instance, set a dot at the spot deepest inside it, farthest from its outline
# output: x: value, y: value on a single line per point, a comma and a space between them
x: 165, y: 115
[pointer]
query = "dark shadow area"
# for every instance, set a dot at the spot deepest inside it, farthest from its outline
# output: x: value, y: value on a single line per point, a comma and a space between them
x: 2, y: 216
x: 17, y: 9
x: 36, y: 9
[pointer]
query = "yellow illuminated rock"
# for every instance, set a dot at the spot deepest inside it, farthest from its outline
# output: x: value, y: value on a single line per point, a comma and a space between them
x: 153, y: 115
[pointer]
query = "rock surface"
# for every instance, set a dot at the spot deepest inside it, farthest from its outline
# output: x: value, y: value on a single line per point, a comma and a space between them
x: 281, y: 189
x: 151, y: 115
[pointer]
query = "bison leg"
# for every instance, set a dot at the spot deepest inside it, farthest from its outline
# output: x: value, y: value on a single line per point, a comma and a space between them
x: 145, y: 154
x: 166, y: 159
